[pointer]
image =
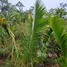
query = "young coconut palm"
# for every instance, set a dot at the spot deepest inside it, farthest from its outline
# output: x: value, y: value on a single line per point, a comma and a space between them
x: 57, y: 25
x: 34, y: 39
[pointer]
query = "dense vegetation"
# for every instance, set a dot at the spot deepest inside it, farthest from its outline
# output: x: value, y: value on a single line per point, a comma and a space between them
x: 33, y: 38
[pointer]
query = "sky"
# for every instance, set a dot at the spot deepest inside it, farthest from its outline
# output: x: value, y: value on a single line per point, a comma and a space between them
x: 48, y: 3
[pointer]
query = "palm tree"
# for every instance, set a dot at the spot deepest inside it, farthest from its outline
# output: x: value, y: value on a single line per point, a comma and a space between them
x: 58, y: 27
x: 36, y: 27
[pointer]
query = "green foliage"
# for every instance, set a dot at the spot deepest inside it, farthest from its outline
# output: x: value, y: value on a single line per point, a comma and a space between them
x: 57, y: 24
x: 26, y: 36
x: 58, y: 27
x: 63, y: 62
x: 34, y: 38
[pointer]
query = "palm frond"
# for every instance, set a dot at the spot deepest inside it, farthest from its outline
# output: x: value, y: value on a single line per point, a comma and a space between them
x: 36, y: 27
x: 57, y: 24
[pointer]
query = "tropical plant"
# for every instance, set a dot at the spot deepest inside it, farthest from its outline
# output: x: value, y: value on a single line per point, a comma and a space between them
x: 14, y: 51
x: 34, y: 42
x: 57, y: 25
x: 30, y: 43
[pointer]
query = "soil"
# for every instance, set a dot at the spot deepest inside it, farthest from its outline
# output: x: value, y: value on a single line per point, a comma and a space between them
x: 52, y: 65
x: 2, y: 60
